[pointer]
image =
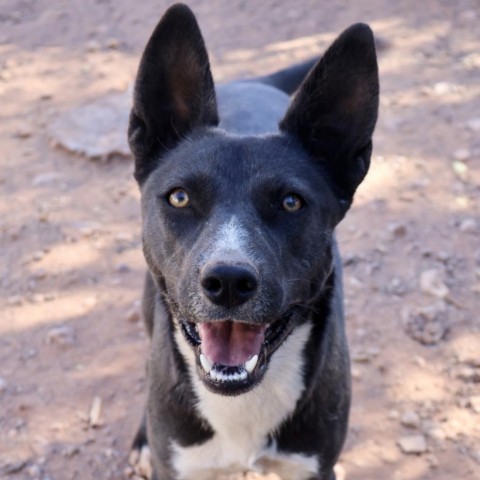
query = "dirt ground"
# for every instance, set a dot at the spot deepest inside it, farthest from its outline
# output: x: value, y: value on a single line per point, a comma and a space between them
x: 71, y: 266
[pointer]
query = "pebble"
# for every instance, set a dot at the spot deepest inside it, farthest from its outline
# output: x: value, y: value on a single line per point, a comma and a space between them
x: 432, y: 282
x: 410, y: 419
x: 462, y: 154
x: 474, y: 124
x: 112, y: 43
x: 61, y: 335
x: 468, y: 225
x: 413, y: 444
x: 95, y: 412
x: 393, y: 415
x: 24, y: 132
x: 436, y: 433
x: 468, y: 374
x: 397, y: 230
x: 123, y: 268
x: 133, y: 314
x: 39, y: 274
x: 92, y: 46
x: 427, y: 325
x: 460, y: 169
x: 47, y: 179
x: 15, y: 300
x: 474, y: 402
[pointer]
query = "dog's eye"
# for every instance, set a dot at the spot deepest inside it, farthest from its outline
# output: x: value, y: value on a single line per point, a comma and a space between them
x: 178, y: 198
x: 292, y: 203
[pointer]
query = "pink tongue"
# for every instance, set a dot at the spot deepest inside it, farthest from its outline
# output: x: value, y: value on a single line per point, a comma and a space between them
x: 231, y: 343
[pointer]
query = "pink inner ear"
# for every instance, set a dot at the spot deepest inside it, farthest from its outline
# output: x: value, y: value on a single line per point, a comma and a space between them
x: 231, y: 343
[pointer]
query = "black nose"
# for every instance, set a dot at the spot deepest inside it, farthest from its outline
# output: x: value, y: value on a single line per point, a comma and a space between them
x: 229, y: 285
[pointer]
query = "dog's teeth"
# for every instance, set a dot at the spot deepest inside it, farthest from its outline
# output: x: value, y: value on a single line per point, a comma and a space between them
x: 213, y: 375
x: 251, y: 364
x: 243, y: 375
x: 236, y: 377
x: 206, y: 363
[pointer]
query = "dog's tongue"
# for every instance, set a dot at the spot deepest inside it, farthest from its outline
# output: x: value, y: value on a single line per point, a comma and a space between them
x: 231, y: 343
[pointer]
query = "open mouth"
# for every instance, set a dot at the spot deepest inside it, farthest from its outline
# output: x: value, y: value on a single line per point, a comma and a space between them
x: 232, y: 356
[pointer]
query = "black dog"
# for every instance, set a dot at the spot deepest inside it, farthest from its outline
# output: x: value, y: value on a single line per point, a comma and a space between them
x: 241, y: 192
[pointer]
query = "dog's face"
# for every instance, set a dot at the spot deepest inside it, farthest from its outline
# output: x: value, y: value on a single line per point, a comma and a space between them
x: 238, y: 230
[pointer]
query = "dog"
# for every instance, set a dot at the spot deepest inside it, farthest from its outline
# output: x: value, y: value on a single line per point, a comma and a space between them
x: 241, y: 191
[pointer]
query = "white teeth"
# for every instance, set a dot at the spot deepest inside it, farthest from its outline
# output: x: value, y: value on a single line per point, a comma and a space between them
x: 243, y: 375
x: 236, y: 377
x: 206, y: 363
x: 213, y: 374
x: 251, y: 364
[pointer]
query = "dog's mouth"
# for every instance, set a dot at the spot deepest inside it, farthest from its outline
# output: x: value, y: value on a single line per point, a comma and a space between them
x: 233, y: 356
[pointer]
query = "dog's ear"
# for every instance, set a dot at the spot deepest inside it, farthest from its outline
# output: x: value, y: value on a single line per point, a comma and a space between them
x: 335, y: 110
x: 174, y: 90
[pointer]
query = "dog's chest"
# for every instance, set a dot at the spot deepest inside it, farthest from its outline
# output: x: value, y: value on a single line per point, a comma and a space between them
x: 242, y: 424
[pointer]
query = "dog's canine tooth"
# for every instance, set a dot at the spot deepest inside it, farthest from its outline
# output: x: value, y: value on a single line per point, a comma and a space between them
x: 251, y: 364
x: 206, y: 363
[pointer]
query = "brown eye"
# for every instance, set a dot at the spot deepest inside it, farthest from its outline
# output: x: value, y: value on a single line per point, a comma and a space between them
x: 292, y: 203
x: 178, y: 198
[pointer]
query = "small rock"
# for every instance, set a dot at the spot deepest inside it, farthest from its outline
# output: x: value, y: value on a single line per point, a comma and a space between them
x: 413, y: 444
x: 397, y: 230
x: 39, y: 274
x: 34, y: 470
x: 15, y: 300
x: 468, y: 16
x: 432, y: 282
x: 38, y: 255
x: 393, y: 415
x: 62, y: 336
x: 95, y: 411
x: 47, y: 179
x: 468, y: 225
x: 432, y: 461
x: 468, y: 374
x: 92, y: 46
x: 16, y: 467
x: 474, y: 124
x: 356, y: 373
x: 23, y: 132
x: 474, y: 402
x: 133, y: 315
x: 436, y: 433
x: 70, y: 450
x: 461, y: 155
x: 427, y: 325
x: 122, y: 268
x: 112, y: 43
x: 38, y: 298
x: 95, y: 130
x: 460, y: 169
x: 410, y: 419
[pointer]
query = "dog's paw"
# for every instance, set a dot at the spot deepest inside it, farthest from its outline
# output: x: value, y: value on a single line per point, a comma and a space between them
x: 140, y: 463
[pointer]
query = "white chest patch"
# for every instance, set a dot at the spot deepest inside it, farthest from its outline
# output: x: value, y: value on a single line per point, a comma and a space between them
x: 242, y: 423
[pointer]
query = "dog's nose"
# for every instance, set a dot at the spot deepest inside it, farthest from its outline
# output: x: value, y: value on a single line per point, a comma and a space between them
x: 229, y: 285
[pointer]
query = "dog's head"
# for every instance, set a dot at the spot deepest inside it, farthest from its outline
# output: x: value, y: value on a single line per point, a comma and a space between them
x: 238, y: 231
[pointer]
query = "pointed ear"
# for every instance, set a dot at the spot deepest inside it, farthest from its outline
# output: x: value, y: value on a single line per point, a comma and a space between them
x: 335, y: 110
x: 174, y: 90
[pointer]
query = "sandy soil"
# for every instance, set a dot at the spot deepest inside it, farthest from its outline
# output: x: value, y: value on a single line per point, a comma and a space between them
x: 71, y: 266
